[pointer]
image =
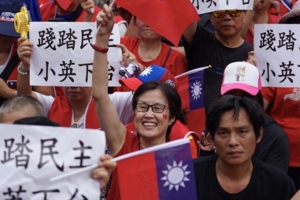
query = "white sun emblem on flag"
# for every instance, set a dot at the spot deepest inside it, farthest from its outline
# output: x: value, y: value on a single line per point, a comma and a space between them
x: 196, y: 90
x: 175, y: 176
x: 146, y: 72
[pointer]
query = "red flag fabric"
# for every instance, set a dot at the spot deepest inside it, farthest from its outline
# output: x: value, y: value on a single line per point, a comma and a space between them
x: 166, y: 173
x: 168, y: 18
x: 286, y: 6
x: 64, y: 4
x: 192, y: 96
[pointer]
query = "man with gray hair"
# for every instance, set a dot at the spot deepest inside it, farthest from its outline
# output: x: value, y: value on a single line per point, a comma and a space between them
x: 19, y: 107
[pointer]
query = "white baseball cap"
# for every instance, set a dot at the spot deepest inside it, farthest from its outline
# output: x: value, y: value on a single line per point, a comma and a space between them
x: 242, y: 76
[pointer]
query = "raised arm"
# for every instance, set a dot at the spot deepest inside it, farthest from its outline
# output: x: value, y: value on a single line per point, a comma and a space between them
x: 114, y: 130
x: 248, y: 21
x: 189, y: 32
x: 249, y: 17
x: 88, y: 6
x: 24, y: 52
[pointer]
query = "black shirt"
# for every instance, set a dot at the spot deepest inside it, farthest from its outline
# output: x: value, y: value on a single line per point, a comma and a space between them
x: 206, y: 50
x: 266, y: 182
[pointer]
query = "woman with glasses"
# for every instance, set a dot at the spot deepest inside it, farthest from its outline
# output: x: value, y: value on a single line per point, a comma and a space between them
x: 156, y: 106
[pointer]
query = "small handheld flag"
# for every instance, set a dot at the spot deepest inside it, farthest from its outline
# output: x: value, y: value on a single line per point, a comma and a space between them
x: 191, y: 91
x: 166, y: 172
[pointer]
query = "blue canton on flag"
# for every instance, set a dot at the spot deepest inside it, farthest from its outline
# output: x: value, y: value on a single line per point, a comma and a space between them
x: 288, y: 4
x: 196, y: 90
x: 175, y: 173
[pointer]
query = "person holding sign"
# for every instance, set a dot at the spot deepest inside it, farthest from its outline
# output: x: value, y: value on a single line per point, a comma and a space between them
x: 156, y: 105
x: 74, y: 109
x: 9, y: 59
x: 283, y: 104
x: 217, y: 49
x: 236, y: 126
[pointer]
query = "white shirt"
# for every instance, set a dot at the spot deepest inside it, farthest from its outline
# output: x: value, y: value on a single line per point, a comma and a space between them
x: 121, y: 100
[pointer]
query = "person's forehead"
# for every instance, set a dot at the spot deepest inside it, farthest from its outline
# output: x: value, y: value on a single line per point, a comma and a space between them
x: 156, y: 94
x: 227, y: 119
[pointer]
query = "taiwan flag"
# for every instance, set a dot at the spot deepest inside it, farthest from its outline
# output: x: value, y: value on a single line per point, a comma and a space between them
x: 164, y: 172
x: 191, y: 91
x: 288, y: 4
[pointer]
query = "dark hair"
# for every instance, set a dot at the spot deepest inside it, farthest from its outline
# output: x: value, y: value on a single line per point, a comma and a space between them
x: 38, y: 120
x: 258, y: 97
x: 293, y: 20
x: 231, y: 102
x: 173, y: 98
x: 18, y: 102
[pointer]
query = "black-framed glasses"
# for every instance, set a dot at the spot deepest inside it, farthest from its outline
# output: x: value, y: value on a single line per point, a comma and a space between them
x: 222, y: 13
x: 156, y: 108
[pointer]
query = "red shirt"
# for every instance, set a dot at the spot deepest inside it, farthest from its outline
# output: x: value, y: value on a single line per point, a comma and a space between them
x: 285, y: 110
x: 175, y: 62
x: 48, y: 11
x: 61, y: 112
x: 131, y: 144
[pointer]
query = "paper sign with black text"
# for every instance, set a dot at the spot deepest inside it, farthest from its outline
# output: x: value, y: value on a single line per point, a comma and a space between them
x: 207, y: 6
x: 63, y: 55
x: 277, y: 49
x: 31, y: 155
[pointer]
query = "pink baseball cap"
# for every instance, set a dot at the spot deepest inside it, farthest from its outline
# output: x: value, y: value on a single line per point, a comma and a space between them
x: 151, y: 73
x: 241, y: 76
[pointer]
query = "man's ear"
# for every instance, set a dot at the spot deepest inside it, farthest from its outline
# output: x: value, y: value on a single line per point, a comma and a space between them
x: 261, y: 132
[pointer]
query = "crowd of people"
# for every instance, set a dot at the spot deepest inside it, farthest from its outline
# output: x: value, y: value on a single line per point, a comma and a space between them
x: 249, y: 147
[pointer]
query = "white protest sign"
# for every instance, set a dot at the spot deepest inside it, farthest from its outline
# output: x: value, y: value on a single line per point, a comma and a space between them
x: 63, y: 56
x: 206, y: 6
x: 31, y: 155
x: 277, y: 51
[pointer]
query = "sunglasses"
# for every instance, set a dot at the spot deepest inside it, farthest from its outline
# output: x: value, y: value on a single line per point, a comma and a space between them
x: 222, y: 13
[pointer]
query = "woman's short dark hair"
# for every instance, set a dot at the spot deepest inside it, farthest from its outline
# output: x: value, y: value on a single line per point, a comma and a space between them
x: 231, y: 102
x: 173, y: 98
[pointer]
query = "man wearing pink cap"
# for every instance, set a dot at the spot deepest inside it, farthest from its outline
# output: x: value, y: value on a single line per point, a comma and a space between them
x: 273, y: 147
